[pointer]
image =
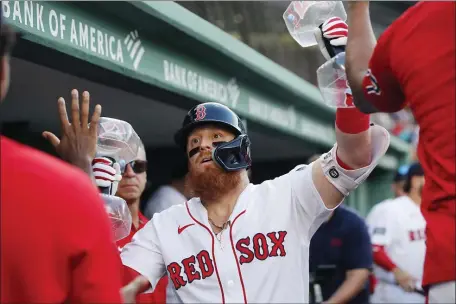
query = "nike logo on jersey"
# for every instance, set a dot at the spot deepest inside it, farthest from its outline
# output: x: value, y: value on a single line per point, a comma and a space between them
x: 180, y: 229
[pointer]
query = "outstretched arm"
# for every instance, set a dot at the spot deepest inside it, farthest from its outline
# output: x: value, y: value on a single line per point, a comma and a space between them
x: 360, y: 47
x: 353, y: 157
x: 369, y: 65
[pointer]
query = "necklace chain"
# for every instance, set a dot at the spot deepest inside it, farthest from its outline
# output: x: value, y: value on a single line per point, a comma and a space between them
x: 218, y: 236
x: 223, y: 227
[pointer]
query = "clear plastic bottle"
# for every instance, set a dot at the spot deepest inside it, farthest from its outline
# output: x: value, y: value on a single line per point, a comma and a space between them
x: 119, y: 215
x: 118, y: 140
x: 303, y: 17
x: 332, y: 82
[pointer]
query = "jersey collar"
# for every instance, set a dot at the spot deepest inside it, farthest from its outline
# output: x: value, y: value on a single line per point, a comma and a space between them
x: 199, y: 212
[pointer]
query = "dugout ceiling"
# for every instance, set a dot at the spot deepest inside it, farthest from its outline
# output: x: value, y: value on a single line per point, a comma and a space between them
x: 148, y: 62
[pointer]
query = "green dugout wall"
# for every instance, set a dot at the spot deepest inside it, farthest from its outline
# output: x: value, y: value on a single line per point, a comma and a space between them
x: 162, y: 45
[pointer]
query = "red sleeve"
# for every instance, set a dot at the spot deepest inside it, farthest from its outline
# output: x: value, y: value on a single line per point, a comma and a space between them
x: 382, y: 259
x: 380, y: 85
x: 160, y: 290
x: 94, y: 258
x: 157, y: 296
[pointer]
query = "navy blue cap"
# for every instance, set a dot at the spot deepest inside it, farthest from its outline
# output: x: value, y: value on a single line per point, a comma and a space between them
x: 415, y: 170
x: 401, y: 173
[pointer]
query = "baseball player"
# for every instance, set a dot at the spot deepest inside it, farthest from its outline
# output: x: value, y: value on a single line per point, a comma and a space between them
x: 34, y: 217
x: 238, y: 242
x: 56, y: 243
x: 413, y: 63
x: 128, y: 182
x: 398, y: 189
x: 398, y: 239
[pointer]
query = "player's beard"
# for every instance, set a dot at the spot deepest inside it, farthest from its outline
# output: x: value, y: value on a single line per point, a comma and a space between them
x: 212, y: 182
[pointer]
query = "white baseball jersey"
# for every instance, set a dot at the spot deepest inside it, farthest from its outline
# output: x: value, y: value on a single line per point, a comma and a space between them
x: 261, y: 257
x: 399, y: 226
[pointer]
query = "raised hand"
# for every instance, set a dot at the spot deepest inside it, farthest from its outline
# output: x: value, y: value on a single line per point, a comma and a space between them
x: 79, y: 138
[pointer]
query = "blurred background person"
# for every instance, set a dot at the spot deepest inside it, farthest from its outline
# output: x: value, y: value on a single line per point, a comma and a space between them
x: 173, y: 192
x: 130, y: 188
x: 399, y: 181
x: 397, y: 187
x: 341, y: 258
x: 56, y: 239
x: 398, y: 242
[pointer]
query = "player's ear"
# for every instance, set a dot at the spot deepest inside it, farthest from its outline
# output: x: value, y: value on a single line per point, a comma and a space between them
x: 415, y: 183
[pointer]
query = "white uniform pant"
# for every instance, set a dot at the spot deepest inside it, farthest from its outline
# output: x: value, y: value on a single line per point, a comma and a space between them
x: 442, y: 293
x: 391, y: 293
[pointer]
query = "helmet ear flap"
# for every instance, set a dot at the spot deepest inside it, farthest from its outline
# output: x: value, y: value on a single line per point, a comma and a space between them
x: 233, y: 155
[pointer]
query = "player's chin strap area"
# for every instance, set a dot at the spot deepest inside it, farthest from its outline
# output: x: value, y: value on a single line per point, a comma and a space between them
x: 348, y: 180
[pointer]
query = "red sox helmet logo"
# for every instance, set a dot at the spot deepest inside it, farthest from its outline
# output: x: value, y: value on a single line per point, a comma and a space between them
x: 200, y: 112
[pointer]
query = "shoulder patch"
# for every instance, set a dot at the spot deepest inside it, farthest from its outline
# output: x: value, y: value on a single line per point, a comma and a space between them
x: 379, y: 231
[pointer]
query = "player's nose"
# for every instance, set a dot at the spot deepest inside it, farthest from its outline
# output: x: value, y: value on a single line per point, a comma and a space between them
x: 206, y: 144
x: 129, y: 171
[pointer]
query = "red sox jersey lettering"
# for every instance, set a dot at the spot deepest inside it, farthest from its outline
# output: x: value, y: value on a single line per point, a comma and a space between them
x: 184, y: 272
x: 417, y: 235
x: 204, y: 262
x: 260, y: 248
x: 272, y: 224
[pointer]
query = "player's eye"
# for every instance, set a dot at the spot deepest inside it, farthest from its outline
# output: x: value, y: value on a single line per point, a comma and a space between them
x: 194, y: 141
x: 217, y: 136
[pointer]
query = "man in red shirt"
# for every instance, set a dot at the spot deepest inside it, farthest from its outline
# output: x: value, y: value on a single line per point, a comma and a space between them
x: 414, y: 63
x: 130, y: 188
x: 56, y: 240
x: 62, y: 250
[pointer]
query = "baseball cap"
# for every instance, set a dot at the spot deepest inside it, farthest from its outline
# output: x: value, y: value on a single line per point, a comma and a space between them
x: 415, y: 170
x: 401, y: 173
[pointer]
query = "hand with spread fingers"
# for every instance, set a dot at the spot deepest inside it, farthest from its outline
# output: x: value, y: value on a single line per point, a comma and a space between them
x: 78, y: 143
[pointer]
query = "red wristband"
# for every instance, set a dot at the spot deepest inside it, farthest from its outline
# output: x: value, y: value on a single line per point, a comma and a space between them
x: 351, y: 120
x: 381, y: 258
